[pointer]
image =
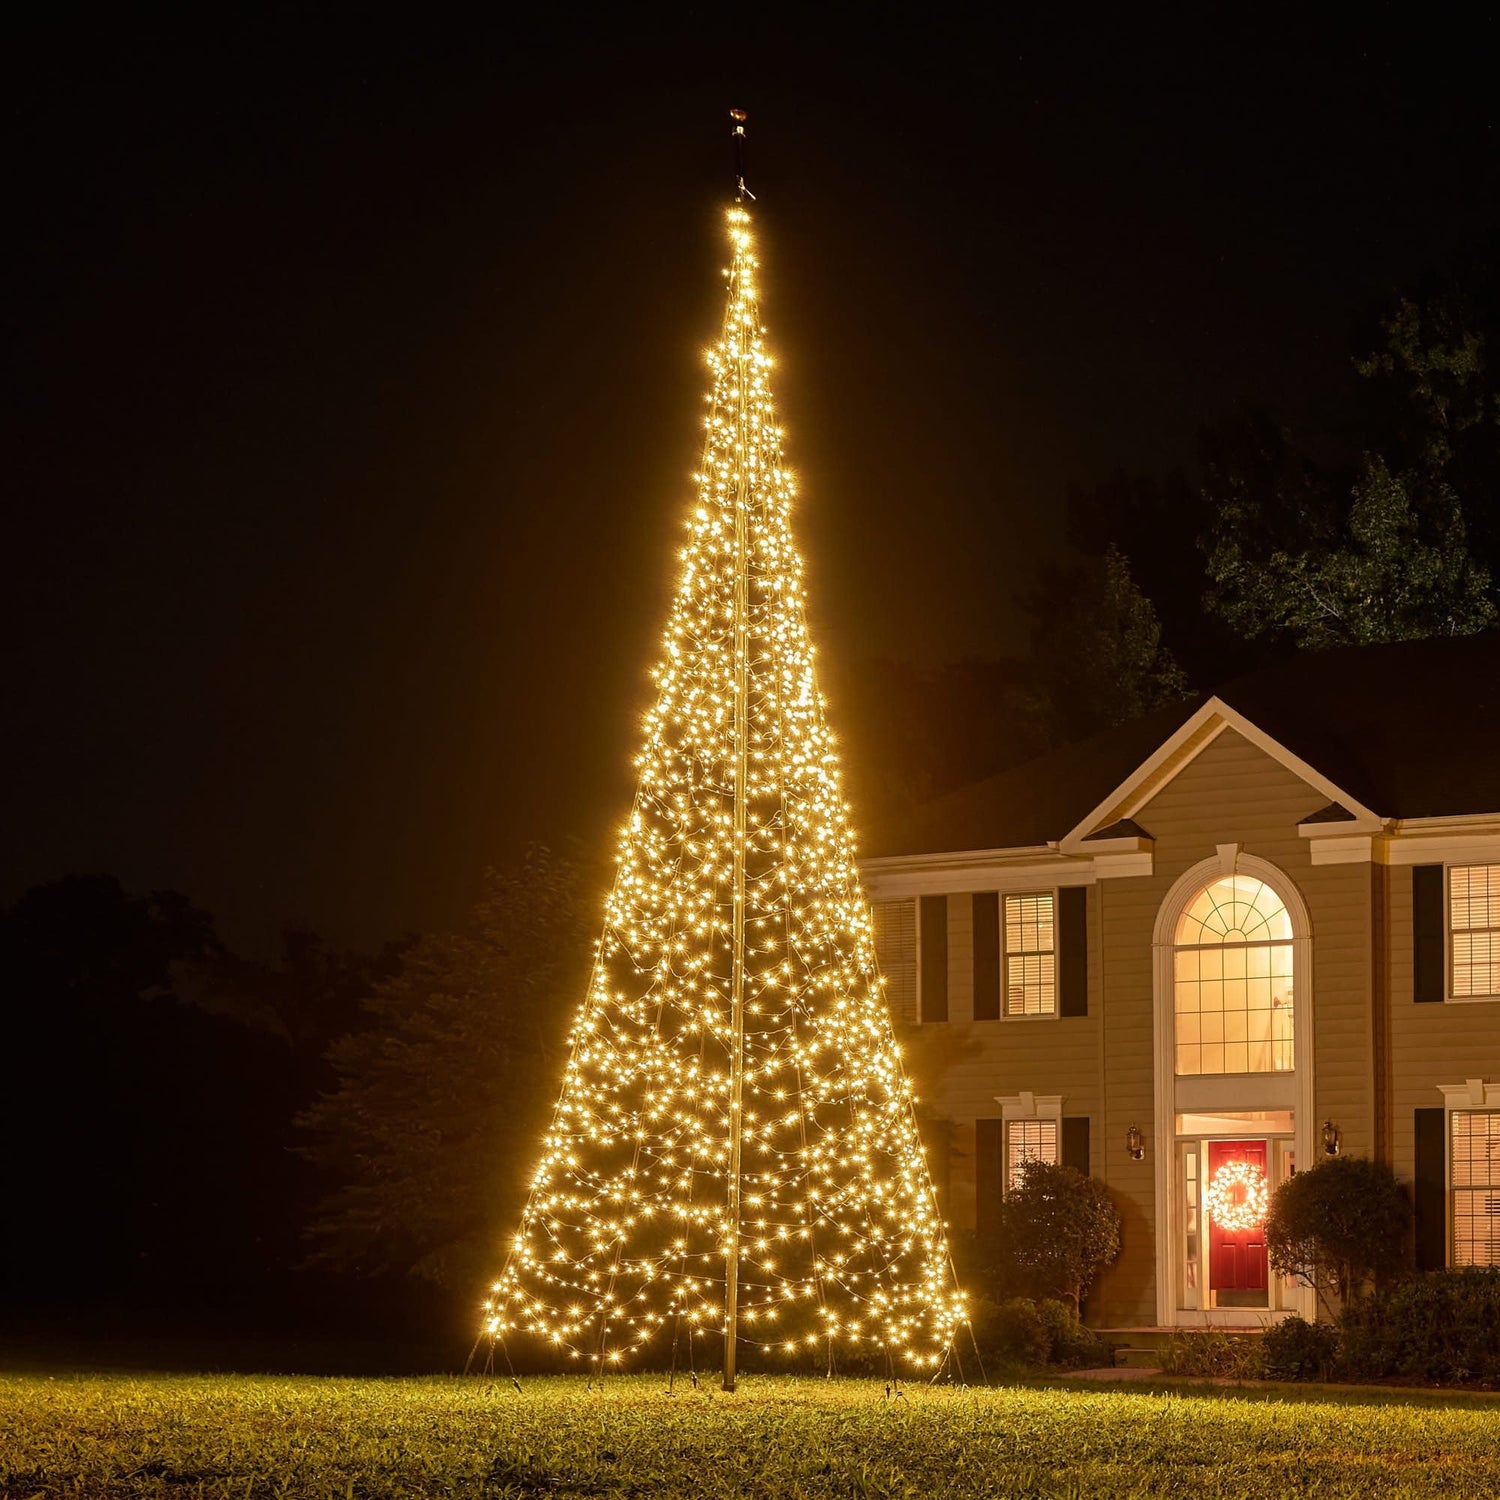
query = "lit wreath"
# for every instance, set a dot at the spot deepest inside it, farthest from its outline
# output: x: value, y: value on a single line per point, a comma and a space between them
x: 1237, y: 1199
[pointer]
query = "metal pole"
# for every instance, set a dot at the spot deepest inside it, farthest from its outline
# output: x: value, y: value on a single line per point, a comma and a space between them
x: 741, y: 821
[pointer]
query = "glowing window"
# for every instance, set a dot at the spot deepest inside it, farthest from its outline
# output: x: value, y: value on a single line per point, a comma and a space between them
x: 1028, y: 1140
x: 1030, y: 955
x: 1476, y: 1187
x: 1232, y: 980
x: 1474, y: 928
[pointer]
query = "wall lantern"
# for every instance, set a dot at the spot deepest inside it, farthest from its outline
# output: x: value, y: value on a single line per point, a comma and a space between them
x: 1332, y: 1138
x: 1135, y: 1143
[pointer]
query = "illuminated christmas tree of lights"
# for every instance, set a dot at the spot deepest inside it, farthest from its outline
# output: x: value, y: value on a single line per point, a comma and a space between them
x: 734, y: 1149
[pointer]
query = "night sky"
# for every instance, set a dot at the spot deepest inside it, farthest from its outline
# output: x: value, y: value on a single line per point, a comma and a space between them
x: 354, y: 375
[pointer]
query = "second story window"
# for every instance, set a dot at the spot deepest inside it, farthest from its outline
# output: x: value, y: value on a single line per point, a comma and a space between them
x: 1030, y: 955
x: 1474, y: 929
x: 1232, y: 986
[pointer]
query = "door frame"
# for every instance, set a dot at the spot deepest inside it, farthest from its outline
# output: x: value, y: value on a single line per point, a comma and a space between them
x: 1229, y: 1092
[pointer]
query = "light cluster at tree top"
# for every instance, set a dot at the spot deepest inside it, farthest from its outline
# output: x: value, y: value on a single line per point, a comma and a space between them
x: 735, y: 1130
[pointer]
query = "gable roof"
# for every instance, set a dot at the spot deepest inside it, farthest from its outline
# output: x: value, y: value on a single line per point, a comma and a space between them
x: 1407, y: 730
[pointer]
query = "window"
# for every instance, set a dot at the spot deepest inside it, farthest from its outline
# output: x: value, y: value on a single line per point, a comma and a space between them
x: 1476, y: 1187
x: 1028, y: 1140
x: 1030, y: 955
x: 1232, y: 984
x: 1474, y: 929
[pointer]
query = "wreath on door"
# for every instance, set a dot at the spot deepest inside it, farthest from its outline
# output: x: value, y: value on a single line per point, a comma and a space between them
x: 1237, y: 1197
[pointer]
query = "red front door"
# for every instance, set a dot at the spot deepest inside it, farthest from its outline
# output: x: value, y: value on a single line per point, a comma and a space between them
x: 1236, y: 1257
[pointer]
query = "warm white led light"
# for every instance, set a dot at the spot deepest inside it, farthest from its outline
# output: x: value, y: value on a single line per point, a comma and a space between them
x: 733, y: 1108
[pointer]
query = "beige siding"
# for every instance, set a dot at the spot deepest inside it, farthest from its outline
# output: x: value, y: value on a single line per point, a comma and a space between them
x: 1102, y: 1064
x: 1430, y: 1044
x: 961, y: 1065
x: 1232, y: 793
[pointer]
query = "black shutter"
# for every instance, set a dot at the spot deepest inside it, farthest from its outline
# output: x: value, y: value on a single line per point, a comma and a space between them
x: 933, y: 957
x: 1073, y: 950
x: 986, y: 956
x: 1429, y: 1190
x: 1427, y: 933
x: 1075, y: 1142
x: 989, y: 1167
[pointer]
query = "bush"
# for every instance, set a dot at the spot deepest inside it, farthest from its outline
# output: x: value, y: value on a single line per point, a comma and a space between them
x: 1295, y: 1349
x: 1025, y: 1334
x: 1443, y: 1327
x: 1059, y: 1229
x: 1213, y: 1353
x: 1018, y: 1333
x: 1069, y: 1343
x: 1339, y: 1226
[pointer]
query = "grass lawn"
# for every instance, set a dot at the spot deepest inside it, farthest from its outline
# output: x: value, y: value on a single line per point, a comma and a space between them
x: 237, y: 1435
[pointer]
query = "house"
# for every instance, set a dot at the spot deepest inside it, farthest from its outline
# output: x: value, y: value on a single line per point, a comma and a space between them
x: 1202, y: 950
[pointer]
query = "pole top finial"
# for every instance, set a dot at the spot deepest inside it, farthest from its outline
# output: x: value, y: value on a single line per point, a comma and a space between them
x: 737, y: 134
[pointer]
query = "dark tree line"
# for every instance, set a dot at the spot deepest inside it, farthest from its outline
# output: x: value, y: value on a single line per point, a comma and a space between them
x: 189, y: 1129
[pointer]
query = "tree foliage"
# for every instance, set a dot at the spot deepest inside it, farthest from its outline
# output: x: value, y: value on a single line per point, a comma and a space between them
x: 1339, y: 1226
x: 1399, y: 569
x: 1385, y: 553
x: 1059, y: 1230
x: 442, y: 1092
x: 1097, y: 649
x: 148, y: 1105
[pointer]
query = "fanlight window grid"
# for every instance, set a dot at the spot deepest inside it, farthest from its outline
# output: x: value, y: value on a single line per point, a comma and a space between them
x: 1028, y: 1140
x: 1474, y: 922
x: 1476, y: 1187
x: 1232, y: 980
x: 1030, y: 955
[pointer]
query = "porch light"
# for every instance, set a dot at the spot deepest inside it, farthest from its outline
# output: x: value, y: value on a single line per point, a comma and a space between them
x: 1332, y: 1138
x: 1135, y: 1143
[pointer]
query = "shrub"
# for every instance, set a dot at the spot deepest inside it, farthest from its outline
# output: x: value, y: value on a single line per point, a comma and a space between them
x: 1069, y: 1343
x: 1059, y: 1229
x: 1443, y: 1327
x: 1214, y: 1353
x: 1018, y: 1333
x: 1023, y: 1333
x: 1339, y: 1226
x: 1295, y: 1349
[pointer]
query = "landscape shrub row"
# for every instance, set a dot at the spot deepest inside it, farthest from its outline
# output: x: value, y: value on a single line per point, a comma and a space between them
x: 1442, y: 1328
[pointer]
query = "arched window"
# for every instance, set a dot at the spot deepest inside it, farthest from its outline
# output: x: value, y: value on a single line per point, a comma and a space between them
x: 1232, y: 980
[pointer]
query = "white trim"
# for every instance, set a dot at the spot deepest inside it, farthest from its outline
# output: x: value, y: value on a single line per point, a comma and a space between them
x: 1122, y: 866
x: 1340, y: 828
x: 1036, y: 867
x: 1416, y: 846
x: 1347, y: 849
x: 1170, y: 1230
x: 1180, y: 750
x: 1029, y: 1106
